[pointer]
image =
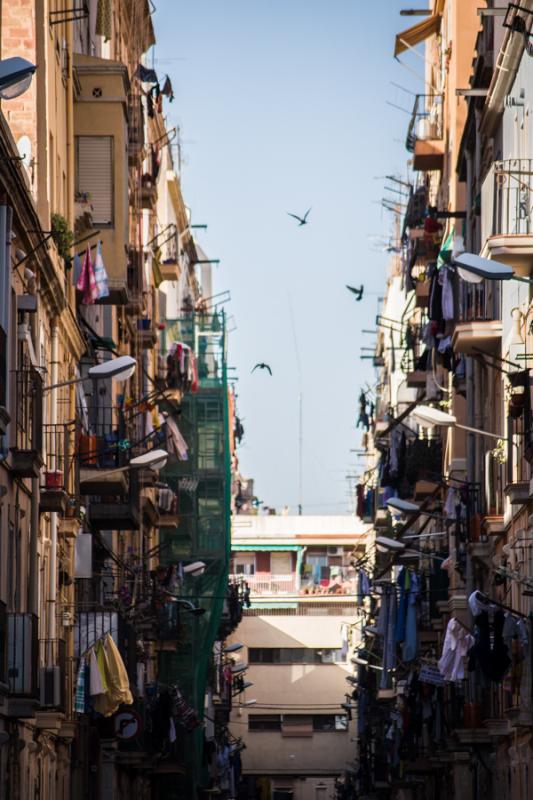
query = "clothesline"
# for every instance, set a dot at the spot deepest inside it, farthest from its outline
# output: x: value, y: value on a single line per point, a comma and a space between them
x: 484, y: 599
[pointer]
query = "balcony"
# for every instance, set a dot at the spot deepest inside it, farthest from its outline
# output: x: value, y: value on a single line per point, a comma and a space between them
x: 22, y: 660
x: 148, y: 192
x: 104, y: 449
x: 101, y: 115
x: 479, y: 326
x: 26, y: 453
x: 146, y: 334
x: 506, y: 208
x: 170, y: 269
x: 59, y: 478
x: 425, y: 133
x: 264, y: 584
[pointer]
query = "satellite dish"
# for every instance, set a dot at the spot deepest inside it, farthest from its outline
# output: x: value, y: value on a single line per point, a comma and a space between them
x: 484, y: 267
x: 25, y: 150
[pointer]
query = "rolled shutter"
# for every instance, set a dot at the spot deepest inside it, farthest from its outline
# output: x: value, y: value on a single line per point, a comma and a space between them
x: 95, y: 175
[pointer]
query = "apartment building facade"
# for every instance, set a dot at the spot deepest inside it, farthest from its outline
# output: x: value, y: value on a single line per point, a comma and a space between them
x: 454, y: 522
x: 109, y: 350
x: 298, y: 636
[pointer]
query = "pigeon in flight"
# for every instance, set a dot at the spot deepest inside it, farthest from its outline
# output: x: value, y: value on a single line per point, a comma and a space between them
x: 357, y: 292
x: 301, y: 220
x: 262, y: 366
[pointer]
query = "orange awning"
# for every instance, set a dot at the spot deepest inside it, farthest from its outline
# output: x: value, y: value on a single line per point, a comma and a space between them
x: 418, y: 33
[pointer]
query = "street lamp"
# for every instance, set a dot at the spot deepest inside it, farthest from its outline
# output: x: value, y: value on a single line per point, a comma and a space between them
x: 434, y: 417
x: 397, y: 547
x: 118, y: 369
x: 15, y: 77
x: 233, y: 648
x: 195, y: 569
x: 197, y: 611
x: 153, y: 459
x: 364, y: 662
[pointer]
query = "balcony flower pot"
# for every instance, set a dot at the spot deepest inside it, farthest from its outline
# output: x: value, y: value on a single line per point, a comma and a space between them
x: 53, y: 479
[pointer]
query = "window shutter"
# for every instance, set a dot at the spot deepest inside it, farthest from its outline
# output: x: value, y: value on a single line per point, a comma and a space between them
x: 95, y: 175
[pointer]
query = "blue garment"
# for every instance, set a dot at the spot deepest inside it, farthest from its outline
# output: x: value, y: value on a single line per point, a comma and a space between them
x: 410, y: 645
x: 402, y: 608
x: 389, y: 642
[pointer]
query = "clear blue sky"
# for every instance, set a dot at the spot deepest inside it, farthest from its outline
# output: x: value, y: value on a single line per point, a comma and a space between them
x: 282, y: 106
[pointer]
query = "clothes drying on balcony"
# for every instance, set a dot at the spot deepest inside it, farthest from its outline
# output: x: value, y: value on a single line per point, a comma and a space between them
x: 176, y: 444
x: 102, y: 682
x: 182, y: 369
x: 457, y: 643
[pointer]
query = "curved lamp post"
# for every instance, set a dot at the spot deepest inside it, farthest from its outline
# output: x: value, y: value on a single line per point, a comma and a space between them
x: 434, y: 417
x: 117, y: 369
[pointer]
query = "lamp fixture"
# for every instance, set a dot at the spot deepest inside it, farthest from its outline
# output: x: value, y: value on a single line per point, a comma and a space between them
x: 117, y: 369
x: 434, y: 417
x: 195, y: 569
x: 197, y: 611
x: 15, y: 77
x: 233, y: 648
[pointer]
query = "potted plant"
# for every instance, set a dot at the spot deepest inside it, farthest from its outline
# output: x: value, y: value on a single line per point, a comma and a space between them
x: 62, y: 236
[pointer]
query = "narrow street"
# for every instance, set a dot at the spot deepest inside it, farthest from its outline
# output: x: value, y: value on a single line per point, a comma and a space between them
x: 266, y: 430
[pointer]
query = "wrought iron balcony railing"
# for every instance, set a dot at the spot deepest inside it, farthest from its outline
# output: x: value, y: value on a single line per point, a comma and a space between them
x: 27, y: 442
x: 22, y: 654
x: 506, y: 198
x: 426, y: 120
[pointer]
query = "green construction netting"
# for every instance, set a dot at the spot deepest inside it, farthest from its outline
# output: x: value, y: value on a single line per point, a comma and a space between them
x: 203, y: 484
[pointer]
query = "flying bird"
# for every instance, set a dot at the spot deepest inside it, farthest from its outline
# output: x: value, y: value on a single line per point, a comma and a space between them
x: 357, y: 292
x: 301, y: 220
x: 262, y: 366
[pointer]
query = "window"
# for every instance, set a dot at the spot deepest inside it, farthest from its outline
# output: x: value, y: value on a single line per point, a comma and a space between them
x: 282, y: 794
x: 244, y: 563
x: 264, y: 722
x: 298, y: 725
x: 294, y: 655
x: 94, y: 175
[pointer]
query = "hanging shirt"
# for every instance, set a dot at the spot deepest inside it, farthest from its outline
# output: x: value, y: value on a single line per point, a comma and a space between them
x: 446, y: 283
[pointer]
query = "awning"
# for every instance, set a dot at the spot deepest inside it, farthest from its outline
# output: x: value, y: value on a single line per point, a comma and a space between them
x: 241, y: 548
x: 418, y: 33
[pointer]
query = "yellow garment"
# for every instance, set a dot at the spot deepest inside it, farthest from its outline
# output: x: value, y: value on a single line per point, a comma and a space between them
x: 101, y: 661
x: 102, y: 702
x: 118, y: 682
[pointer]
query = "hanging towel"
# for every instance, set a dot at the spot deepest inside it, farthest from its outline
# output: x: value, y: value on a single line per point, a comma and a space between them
x: 97, y: 686
x: 100, y: 273
x: 104, y: 25
x: 81, y: 680
x: 87, y: 280
x: 175, y: 441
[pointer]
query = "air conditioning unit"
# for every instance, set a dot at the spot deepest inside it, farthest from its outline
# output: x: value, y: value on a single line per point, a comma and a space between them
x: 50, y: 687
x: 335, y: 551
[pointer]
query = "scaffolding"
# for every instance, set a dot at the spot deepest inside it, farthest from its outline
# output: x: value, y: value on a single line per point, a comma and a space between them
x: 203, y: 486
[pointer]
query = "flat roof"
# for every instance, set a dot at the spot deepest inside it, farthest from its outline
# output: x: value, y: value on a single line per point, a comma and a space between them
x: 292, y: 529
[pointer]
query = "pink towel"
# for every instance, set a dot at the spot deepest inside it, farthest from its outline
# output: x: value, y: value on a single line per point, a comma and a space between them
x: 87, y: 280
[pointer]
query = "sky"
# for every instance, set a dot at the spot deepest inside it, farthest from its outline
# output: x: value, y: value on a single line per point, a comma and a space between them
x: 282, y: 106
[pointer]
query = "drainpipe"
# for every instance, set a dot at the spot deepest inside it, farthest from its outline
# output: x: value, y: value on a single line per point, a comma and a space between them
x: 52, y: 592
x: 33, y: 543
